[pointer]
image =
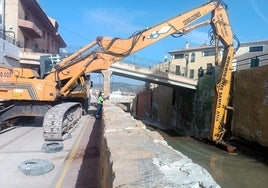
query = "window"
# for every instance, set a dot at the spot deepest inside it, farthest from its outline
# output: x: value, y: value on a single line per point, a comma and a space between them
x: 256, y: 49
x: 44, y: 34
x: 193, y: 57
x: 254, y: 62
x: 26, y: 42
x: 178, y: 56
x: 209, y: 68
x: 36, y: 47
x: 192, y: 73
x: 209, y: 53
x: 26, y: 16
x: 178, y: 71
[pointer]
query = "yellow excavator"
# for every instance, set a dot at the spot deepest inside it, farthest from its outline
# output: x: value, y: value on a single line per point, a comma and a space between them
x: 60, y: 90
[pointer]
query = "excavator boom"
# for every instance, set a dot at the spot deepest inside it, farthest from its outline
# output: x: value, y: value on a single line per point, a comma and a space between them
x: 100, y: 54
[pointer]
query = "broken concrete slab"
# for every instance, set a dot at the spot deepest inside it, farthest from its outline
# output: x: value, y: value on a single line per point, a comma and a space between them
x: 139, y: 157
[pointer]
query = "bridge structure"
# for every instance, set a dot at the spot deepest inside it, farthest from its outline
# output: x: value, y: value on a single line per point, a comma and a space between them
x: 153, y: 76
x: 137, y: 72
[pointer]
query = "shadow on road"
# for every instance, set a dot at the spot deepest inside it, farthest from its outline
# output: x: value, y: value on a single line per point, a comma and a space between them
x: 89, y: 173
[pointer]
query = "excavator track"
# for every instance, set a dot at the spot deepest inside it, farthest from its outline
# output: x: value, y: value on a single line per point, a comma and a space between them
x: 60, y: 120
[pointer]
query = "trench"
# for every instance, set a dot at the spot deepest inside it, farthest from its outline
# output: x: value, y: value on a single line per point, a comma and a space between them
x: 245, y: 168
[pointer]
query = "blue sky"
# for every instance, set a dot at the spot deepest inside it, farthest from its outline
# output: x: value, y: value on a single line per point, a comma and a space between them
x: 80, y: 21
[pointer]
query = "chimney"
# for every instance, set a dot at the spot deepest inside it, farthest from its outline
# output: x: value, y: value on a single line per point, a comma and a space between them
x: 165, y: 58
x: 187, y: 45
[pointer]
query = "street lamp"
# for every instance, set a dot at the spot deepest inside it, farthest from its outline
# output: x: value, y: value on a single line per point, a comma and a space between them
x: 187, y: 62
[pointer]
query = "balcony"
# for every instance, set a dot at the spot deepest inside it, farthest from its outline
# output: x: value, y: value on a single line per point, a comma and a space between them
x: 30, y: 28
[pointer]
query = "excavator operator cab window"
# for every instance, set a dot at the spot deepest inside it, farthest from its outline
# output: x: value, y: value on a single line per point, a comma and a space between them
x: 47, y: 62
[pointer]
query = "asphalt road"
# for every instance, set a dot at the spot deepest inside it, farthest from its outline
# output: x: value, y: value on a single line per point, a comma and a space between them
x: 77, y: 165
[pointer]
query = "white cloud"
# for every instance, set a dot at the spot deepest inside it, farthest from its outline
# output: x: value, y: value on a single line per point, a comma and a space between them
x: 258, y: 11
x: 115, y: 20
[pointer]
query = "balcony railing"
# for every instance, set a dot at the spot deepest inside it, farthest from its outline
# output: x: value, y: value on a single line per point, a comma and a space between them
x: 9, y: 36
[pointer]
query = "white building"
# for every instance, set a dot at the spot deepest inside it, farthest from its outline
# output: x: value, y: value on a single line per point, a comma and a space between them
x: 187, y: 61
x: 252, y: 54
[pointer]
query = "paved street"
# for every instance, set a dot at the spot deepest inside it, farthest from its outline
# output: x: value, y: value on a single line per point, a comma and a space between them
x: 77, y: 165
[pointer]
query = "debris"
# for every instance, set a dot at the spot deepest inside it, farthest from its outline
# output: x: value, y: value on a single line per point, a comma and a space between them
x: 36, y: 167
x: 52, y: 147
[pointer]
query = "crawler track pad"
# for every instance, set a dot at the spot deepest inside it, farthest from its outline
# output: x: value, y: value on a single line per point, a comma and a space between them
x: 60, y: 120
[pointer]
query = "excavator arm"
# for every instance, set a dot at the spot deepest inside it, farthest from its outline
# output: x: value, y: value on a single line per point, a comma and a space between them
x: 60, y: 83
x: 110, y: 50
x: 223, y: 32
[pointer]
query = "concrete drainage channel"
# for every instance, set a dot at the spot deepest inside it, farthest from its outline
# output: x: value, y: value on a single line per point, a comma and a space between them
x: 36, y: 167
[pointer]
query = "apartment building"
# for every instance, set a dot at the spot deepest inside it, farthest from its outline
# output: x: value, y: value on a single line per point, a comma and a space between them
x: 252, y: 54
x: 187, y: 61
x: 34, y: 33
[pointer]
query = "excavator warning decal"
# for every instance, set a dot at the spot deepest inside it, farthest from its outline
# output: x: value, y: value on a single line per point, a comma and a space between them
x: 17, y: 93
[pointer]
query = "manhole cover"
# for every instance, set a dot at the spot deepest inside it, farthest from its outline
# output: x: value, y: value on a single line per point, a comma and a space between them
x: 52, y: 147
x: 36, y: 167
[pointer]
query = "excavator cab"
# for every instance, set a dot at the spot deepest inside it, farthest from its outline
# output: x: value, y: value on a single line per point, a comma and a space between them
x: 47, y: 62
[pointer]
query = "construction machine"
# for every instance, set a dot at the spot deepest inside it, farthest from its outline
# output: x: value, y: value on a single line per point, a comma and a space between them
x: 62, y: 85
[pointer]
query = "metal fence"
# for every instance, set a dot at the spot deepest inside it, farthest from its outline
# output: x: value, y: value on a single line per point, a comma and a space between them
x: 7, y: 36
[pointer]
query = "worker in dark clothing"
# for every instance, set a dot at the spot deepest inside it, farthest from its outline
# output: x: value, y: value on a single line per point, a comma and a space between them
x: 99, y: 104
x: 200, y: 72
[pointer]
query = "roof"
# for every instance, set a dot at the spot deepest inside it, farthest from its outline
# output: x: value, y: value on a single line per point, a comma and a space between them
x: 193, y: 49
x: 252, y: 43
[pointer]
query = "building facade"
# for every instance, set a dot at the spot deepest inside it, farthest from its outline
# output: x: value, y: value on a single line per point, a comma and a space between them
x: 34, y: 33
x: 187, y: 61
x: 252, y: 54
x: 9, y: 50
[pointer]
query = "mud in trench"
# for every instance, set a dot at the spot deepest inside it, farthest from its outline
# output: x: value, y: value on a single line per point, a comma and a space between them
x: 228, y: 170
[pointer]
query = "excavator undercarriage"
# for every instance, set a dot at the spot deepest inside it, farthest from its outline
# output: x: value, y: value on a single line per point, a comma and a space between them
x: 60, y: 120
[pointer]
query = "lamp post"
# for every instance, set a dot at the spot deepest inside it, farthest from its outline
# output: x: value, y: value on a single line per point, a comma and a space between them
x: 186, y: 64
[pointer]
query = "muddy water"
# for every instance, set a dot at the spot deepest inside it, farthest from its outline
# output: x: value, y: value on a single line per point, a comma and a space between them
x: 230, y: 171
